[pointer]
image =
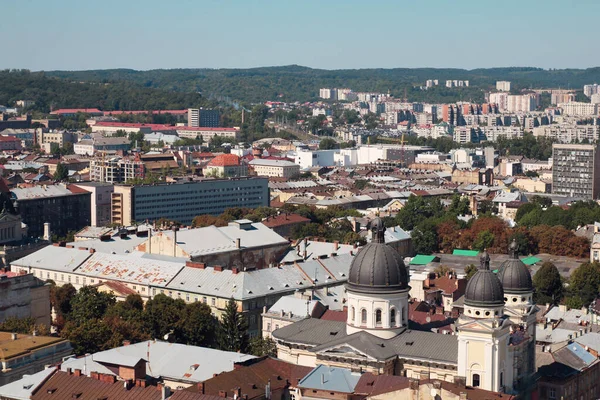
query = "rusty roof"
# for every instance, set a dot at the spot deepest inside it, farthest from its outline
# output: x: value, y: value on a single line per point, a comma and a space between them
x: 24, y: 344
x: 62, y: 386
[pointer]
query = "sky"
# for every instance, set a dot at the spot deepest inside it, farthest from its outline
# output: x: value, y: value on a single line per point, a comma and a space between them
x: 329, y: 34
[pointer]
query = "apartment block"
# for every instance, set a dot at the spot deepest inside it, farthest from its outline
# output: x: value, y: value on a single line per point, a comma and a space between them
x: 568, y: 133
x: 101, y: 194
x: 579, y: 109
x: 576, y: 170
x: 182, y: 202
x: 503, y: 86
x: 116, y: 169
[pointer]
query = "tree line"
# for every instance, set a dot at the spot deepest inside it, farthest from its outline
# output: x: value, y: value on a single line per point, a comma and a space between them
x: 94, y: 321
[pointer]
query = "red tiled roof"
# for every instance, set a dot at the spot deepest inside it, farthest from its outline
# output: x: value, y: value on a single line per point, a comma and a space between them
x: 76, y: 189
x: 331, y: 315
x: 371, y: 385
x: 157, y: 127
x: 119, y: 112
x: 447, y: 285
x: 284, y: 219
x: 61, y: 385
x: 224, y: 160
x: 202, y: 128
x: 9, y: 139
x: 117, y: 287
x: 253, y: 378
x: 76, y: 110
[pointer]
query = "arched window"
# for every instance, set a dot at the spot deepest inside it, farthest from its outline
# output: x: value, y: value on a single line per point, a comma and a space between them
x: 393, y: 317
x: 363, y: 316
x: 378, y: 317
x: 475, y: 380
x: 352, y: 316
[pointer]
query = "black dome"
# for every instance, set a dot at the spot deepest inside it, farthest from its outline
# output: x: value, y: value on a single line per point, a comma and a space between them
x: 377, y: 267
x: 484, y: 288
x: 513, y: 274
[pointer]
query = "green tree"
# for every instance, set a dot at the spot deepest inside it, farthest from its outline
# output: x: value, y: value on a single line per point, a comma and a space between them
x: 584, y: 283
x: 459, y: 205
x: 260, y: 347
x: 89, y: 304
x: 470, y: 270
x: 62, y: 172
x: 484, y: 240
x: 232, y: 333
x: 162, y: 315
x: 88, y: 336
x: 60, y: 298
x: 198, y: 324
x: 327, y: 144
x: 547, y: 284
x: 361, y: 184
x: 425, y: 238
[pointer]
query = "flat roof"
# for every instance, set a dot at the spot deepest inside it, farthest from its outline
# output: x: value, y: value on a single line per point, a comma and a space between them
x: 466, y: 253
x: 421, y: 259
x: 23, y: 344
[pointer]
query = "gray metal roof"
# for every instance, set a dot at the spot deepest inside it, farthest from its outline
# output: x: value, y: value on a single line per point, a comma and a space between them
x: 212, y: 239
x: 24, y: 387
x: 114, y: 245
x: 330, y: 379
x: 166, y: 360
x: 411, y: 344
x: 41, y: 191
x: 54, y: 258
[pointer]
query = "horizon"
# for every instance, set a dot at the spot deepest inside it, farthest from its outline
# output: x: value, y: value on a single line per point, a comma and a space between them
x: 76, y: 36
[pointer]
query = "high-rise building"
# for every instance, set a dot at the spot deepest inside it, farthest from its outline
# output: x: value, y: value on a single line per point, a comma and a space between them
x: 589, y: 90
x: 203, y: 118
x: 576, y: 170
x: 503, y: 86
x: 579, y: 109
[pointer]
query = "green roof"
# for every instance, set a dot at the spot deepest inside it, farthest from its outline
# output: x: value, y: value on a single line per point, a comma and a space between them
x: 467, y: 253
x: 421, y: 259
x: 530, y: 260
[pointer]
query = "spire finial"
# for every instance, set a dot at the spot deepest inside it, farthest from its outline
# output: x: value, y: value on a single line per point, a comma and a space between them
x: 377, y: 231
x: 513, y: 249
x: 484, y: 260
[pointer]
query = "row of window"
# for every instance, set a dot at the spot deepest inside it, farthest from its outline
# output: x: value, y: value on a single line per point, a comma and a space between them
x: 378, y: 316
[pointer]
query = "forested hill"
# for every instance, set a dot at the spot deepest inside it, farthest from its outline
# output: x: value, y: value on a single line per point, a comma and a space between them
x: 51, y: 92
x: 296, y: 83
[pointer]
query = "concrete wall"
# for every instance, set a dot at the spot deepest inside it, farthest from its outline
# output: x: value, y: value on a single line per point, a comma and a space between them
x: 25, y: 296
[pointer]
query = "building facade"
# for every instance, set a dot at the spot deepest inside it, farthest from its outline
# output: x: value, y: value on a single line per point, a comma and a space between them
x: 24, y: 296
x: 101, y: 194
x: 182, y: 202
x: 275, y: 168
x: 66, y: 208
x: 576, y: 170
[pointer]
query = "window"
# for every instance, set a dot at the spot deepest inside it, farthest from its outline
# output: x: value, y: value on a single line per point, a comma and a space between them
x: 378, y: 317
x: 501, y: 379
x: 363, y: 316
x: 213, y: 301
x: 552, y: 394
x: 269, y: 327
x: 276, y: 326
x: 204, y: 300
x: 392, y: 317
x: 352, y: 314
x: 475, y: 380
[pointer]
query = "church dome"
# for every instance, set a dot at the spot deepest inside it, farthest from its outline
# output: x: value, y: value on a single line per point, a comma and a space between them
x: 377, y: 267
x: 484, y: 288
x: 513, y: 274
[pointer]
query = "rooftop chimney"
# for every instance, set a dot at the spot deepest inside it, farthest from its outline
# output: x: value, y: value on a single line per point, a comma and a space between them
x: 175, y: 229
x: 14, y: 336
x: 238, y: 243
x: 47, y: 234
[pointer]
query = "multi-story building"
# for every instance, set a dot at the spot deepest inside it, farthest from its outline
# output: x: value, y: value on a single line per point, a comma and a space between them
x: 58, y: 137
x: 579, y: 109
x: 559, y: 97
x: 100, y: 201
x: 503, y: 86
x: 275, y: 168
x: 203, y: 118
x: 568, y: 133
x: 500, y: 99
x: 589, y: 90
x: 183, y: 201
x: 207, y: 133
x: 576, y: 170
x: 89, y: 147
x: 24, y: 296
x: 9, y: 143
x: 594, y: 99
x: 65, y: 207
x: 226, y: 166
x: 27, y: 354
x: 521, y: 103
x: 114, y: 169
x: 326, y: 93
x: 492, y: 133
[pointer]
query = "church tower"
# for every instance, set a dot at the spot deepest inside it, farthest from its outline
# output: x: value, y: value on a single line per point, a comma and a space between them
x: 521, y: 310
x: 377, y: 288
x: 484, y: 331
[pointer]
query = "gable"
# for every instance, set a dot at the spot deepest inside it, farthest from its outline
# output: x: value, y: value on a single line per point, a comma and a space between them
x: 345, y: 350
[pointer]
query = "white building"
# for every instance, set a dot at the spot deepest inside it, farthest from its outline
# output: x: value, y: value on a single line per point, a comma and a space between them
x: 568, y: 133
x: 275, y: 168
x: 492, y: 133
x: 589, y: 90
x: 500, y: 99
x: 503, y: 86
x: 193, y: 117
x: 579, y: 109
x: 595, y: 98
x: 315, y: 158
x: 521, y: 103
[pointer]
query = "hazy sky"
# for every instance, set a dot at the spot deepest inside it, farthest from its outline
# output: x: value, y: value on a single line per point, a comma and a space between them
x: 331, y: 34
